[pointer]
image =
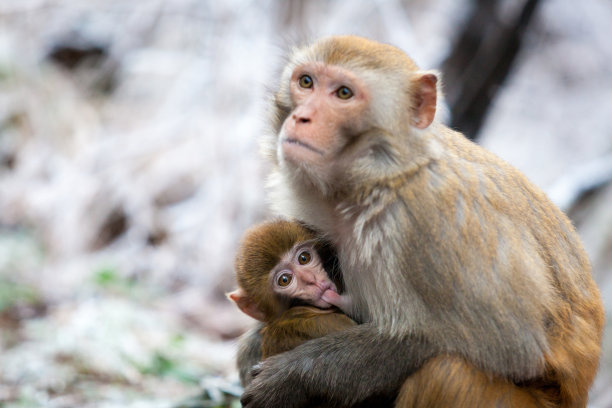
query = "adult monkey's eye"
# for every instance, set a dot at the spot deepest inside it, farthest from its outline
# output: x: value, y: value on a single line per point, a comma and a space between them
x: 284, y: 280
x: 305, y: 81
x: 344, y: 93
x: 304, y: 258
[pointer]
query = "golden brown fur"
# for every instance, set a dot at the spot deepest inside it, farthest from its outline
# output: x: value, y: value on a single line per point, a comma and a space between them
x: 468, y: 278
x: 284, y: 327
x: 299, y: 324
x: 261, y: 249
x: 449, y: 381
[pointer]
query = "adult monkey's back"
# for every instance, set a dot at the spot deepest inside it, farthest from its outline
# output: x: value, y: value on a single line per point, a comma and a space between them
x: 469, y: 280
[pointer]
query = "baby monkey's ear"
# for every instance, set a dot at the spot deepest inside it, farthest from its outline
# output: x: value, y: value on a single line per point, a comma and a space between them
x: 246, y: 304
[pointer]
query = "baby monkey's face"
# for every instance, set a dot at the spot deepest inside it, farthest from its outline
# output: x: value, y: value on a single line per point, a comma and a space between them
x: 300, y: 275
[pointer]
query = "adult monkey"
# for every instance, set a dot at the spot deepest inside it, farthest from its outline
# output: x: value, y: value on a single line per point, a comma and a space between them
x: 466, y: 276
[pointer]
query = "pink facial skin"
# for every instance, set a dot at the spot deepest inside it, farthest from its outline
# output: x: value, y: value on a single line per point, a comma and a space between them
x: 300, y: 275
x: 327, y: 98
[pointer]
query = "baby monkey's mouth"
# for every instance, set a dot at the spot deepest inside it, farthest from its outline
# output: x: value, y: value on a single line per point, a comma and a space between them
x: 322, y: 289
x: 327, y: 286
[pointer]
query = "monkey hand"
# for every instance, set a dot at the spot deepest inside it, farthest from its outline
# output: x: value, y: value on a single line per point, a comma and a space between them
x: 275, y: 384
x: 343, y: 368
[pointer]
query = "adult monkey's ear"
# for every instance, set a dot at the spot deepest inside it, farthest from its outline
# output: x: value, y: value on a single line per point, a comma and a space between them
x: 246, y: 304
x: 424, y: 99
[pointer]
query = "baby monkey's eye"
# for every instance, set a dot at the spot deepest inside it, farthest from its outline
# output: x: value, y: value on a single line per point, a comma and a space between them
x: 304, y: 258
x: 285, y: 279
x: 305, y: 81
x: 344, y: 93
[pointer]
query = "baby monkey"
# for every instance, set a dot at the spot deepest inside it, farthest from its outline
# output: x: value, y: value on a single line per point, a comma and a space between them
x: 282, y: 272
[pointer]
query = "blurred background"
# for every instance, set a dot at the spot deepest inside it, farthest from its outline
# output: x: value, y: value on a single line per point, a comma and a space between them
x: 129, y: 167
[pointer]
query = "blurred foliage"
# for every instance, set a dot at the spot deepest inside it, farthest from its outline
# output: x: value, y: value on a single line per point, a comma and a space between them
x: 6, y: 72
x: 217, y: 393
x: 110, y: 279
x: 204, y: 401
x: 164, y: 366
x: 13, y: 294
x: 19, y: 297
x: 20, y: 250
x: 107, y: 277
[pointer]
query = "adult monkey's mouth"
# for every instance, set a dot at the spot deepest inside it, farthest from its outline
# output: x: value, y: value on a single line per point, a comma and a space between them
x: 294, y: 141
